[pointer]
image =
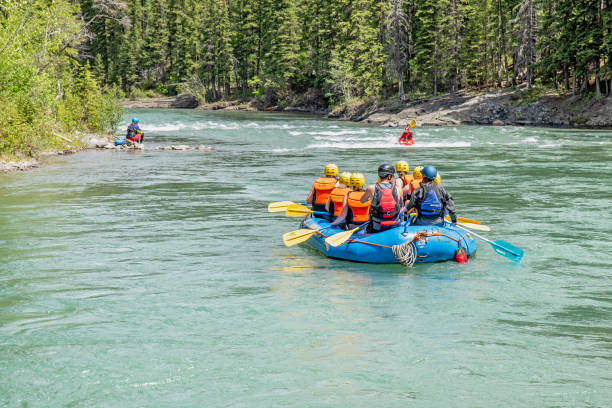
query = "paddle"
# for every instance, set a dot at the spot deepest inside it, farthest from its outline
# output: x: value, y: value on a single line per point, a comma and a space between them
x: 476, y: 227
x: 298, y: 210
x: 447, y: 218
x: 412, y: 124
x: 502, y: 247
x: 341, y: 237
x: 279, y: 206
x: 296, y: 237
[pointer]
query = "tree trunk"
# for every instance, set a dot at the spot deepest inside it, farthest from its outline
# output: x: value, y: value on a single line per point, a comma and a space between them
x: 565, y: 76
x: 597, y: 89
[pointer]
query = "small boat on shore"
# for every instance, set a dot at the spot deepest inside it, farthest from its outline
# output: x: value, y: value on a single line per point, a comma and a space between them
x: 406, y: 244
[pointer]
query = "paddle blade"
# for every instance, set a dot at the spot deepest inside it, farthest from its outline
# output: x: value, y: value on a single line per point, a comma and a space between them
x: 508, y: 250
x: 297, y: 237
x: 297, y: 210
x: 475, y: 227
x: 468, y: 220
x: 279, y: 206
x: 447, y: 218
x: 412, y: 124
x: 340, y: 238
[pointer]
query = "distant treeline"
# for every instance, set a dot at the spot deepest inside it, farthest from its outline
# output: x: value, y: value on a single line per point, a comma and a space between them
x: 346, y: 49
x: 46, y: 88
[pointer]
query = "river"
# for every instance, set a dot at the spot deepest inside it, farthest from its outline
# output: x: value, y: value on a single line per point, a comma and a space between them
x: 157, y: 278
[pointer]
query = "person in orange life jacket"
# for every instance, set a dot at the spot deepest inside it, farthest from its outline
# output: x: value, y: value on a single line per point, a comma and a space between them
x: 322, y: 187
x: 403, y: 179
x: 386, y: 200
x: 354, y: 212
x: 407, y: 135
x: 336, y: 197
x: 134, y: 133
x: 417, y: 178
x: 431, y: 200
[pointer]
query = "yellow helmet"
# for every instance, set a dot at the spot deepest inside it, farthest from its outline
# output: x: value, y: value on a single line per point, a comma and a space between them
x: 402, y: 166
x: 345, y: 178
x: 331, y: 170
x: 438, y: 179
x: 416, y: 173
x: 357, y: 180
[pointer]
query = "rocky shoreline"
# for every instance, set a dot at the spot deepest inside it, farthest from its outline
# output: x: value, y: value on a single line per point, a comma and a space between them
x: 506, y: 107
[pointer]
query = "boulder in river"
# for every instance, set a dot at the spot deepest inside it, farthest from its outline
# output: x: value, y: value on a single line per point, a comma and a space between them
x: 497, y: 122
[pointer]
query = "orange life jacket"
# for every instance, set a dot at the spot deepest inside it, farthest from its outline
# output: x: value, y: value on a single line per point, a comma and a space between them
x: 414, y: 184
x: 407, y: 179
x: 361, y: 211
x: 323, y: 187
x: 337, y: 197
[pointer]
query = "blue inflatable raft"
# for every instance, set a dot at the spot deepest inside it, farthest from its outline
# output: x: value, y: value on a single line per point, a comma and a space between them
x: 414, y: 243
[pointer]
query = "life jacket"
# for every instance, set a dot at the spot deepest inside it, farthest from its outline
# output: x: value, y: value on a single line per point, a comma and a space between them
x: 385, y: 206
x: 360, y: 211
x: 323, y: 187
x: 406, y: 179
x: 135, y: 138
x: 337, y: 197
x: 431, y: 204
x: 414, y: 184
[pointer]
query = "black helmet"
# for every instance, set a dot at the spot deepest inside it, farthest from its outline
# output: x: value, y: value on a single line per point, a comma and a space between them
x: 384, y: 170
x: 429, y: 172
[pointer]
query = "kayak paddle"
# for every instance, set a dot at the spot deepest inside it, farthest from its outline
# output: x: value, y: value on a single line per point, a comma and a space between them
x: 279, y: 206
x: 412, y: 124
x: 502, y: 247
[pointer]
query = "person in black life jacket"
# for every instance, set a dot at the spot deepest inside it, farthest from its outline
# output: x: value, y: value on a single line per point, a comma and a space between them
x: 134, y: 133
x: 386, y: 199
x: 322, y: 188
x: 431, y: 200
x: 354, y: 213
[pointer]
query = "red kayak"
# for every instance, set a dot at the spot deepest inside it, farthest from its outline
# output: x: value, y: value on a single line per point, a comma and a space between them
x: 406, y: 142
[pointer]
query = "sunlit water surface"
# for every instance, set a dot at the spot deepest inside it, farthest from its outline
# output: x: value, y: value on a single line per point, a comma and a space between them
x: 158, y: 279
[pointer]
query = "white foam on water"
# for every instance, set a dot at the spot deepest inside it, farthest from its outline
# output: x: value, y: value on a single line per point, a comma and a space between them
x: 531, y: 140
x: 350, y: 139
x: 330, y: 133
x: 384, y: 145
x: 164, y: 127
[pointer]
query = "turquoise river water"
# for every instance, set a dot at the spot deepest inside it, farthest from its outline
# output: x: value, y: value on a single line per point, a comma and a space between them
x: 158, y: 279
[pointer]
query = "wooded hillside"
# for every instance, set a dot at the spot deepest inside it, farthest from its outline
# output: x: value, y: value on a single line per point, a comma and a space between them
x: 345, y: 49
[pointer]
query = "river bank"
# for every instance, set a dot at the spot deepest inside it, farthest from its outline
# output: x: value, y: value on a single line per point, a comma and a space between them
x: 506, y: 107
x: 72, y: 144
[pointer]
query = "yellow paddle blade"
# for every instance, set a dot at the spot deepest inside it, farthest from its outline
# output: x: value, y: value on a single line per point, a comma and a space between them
x: 447, y: 218
x: 475, y: 227
x: 412, y: 124
x: 340, y: 238
x: 296, y: 237
x: 279, y: 206
x: 297, y: 210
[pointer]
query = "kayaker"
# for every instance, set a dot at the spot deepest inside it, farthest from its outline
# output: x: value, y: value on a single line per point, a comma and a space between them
x: 386, y: 200
x: 406, y: 136
x: 322, y: 187
x: 431, y: 200
x: 134, y: 133
x: 354, y: 213
x: 403, y: 179
x: 337, y: 195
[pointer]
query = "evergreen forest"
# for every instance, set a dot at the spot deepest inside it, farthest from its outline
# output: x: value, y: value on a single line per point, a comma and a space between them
x: 277, y: 50
x: 64, y: 63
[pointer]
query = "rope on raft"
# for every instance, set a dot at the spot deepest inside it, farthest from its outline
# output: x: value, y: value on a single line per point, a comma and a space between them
x: 406, y: 253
